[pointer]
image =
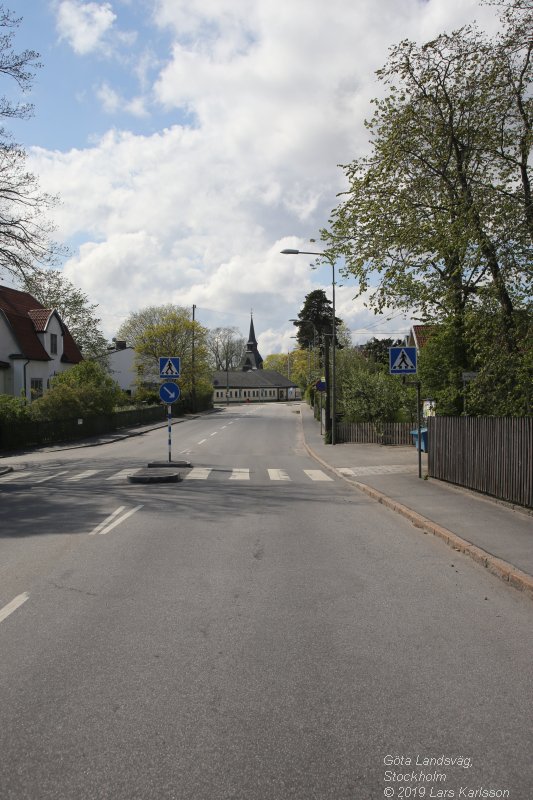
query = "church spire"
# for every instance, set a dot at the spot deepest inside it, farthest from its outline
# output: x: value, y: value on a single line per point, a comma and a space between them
x: 252, y: 358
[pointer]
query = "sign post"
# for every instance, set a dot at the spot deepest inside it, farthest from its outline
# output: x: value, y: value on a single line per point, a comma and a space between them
x: 403, y: 361
x: 169, y: 392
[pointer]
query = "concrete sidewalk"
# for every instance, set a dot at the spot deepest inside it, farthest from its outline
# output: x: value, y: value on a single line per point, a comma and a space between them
x: 496, y: 535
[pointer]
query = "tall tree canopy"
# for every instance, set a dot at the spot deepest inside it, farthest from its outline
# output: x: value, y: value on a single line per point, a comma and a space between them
x: 25, y: 231
x: 440, y: 210
x: 169, y: 330
x: 226, y: 348
x: 315, y: 328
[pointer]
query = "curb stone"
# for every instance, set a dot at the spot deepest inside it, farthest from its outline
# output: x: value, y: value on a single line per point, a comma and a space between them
x: 496, y: 566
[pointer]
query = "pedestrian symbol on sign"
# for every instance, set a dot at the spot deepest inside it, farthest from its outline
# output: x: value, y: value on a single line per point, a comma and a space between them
x: 169, y: 367
x: 402, y: 360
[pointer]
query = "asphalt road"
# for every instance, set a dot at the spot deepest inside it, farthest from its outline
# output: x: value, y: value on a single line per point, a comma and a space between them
x: 258, y: 631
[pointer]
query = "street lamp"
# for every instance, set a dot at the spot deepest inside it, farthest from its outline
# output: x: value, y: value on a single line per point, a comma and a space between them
x: 290, y: 252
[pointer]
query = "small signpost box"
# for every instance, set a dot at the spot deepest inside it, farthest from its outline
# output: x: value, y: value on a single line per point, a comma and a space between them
x: 169, y: 392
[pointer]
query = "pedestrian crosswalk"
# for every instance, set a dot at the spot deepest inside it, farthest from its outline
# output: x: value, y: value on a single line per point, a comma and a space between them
x: 24, y: 477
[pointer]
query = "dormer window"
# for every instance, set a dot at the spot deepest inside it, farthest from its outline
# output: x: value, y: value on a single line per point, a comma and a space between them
x: 53, y: 344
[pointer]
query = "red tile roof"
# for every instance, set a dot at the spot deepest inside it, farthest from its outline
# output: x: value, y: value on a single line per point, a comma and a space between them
x: 26, y: 317
x: 40, y: 317
x: 422, y: 333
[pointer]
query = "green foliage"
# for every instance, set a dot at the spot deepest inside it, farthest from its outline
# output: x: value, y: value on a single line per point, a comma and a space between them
x: 439, y: 375
x: 441, y: 210
x: 297, y: 365
x: 503, y: 385
x: 315, y: 321
x: 13, y: 408
x: 377, y: 350
x: 168, y: 330
x: 367, y: 393
x: 84, y: 390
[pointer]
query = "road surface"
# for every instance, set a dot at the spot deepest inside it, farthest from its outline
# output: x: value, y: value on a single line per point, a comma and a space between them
x: 258, y: 631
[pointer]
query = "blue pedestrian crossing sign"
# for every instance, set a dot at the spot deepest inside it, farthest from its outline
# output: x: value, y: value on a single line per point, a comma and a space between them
x: 169, y: 366
x: 169, y: 392
x: 402, y: 360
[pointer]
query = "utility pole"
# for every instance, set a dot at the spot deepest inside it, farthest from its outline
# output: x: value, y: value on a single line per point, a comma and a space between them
x: 193, y: 379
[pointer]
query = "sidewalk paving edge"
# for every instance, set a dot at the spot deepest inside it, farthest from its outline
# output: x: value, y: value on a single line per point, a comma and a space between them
x: 496, y: 566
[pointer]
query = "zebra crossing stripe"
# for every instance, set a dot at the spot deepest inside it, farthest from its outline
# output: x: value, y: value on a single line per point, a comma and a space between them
x: 198, y: 474
x: 81, y: 475
x: 278, y: 475
x: 51, y: 477
x: 317, y: 475
x: 240, y: 475
x: 13, y: 476
x: 122, y: 474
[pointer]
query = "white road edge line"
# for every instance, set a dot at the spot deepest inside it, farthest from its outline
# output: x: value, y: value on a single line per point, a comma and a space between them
x: 13, y: 605
x: 118, y: 521
x: 203, y: 440
x: 107, y: 520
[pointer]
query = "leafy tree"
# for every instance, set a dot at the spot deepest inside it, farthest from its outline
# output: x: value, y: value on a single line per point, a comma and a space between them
x: 377, y: 350
x: 85, y: 389
x: 168, y: 330
x: 503, y: 384
x: 226, y: 348
x: 439, y: 209
x: 133, y: 328
x: 25, y: 232
x: 367, y: 393
x: 295, y: 365
x: 315, y: 324
x: 53, y: 290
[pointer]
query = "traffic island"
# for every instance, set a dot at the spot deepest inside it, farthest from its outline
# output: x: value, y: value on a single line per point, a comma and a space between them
x: 155, y: 476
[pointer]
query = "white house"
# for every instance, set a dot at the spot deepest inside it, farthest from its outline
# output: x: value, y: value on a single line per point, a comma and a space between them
x: 121, y: 366
x: 35, y: 344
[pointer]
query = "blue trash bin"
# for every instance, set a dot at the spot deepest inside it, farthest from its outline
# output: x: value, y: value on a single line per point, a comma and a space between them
x: 424, y: 438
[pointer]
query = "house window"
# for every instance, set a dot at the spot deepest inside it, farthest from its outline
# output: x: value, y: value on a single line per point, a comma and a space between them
x: 36, y: 387
x: 53, y: 344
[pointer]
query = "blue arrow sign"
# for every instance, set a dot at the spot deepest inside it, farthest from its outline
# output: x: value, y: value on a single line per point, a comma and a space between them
x: 169, y: 366
x: 169, y: 392
x: 402, y: 360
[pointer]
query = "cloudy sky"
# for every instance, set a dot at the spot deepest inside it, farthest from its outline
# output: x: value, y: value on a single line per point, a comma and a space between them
x: 192, y: 140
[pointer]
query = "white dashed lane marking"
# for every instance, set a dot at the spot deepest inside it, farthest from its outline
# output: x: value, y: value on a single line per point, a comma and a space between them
x: 13, y: 605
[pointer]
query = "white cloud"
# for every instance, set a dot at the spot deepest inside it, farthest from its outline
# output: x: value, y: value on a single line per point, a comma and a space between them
x: 112, y: 102
x: 278, y: 93
x: 84, y: 25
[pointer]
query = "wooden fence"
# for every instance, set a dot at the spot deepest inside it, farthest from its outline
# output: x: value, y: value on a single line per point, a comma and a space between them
x: 369, y: 433
x: 492, y: 455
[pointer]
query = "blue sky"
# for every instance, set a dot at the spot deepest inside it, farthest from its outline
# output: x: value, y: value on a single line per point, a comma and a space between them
x: 191, y: 140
